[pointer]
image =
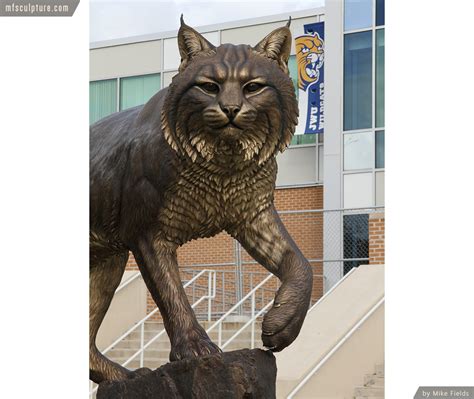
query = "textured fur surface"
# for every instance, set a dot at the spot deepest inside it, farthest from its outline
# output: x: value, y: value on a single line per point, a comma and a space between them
x: 197, y: 159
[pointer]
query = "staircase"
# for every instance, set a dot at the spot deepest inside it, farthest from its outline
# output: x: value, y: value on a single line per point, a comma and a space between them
x: 373, y: 385
x: 146, y: 344
x: 341, y: 340
x: 158, y: 352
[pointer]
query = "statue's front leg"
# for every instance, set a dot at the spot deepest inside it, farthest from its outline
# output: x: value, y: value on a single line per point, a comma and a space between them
x: 266, y: 239
x: 158, y: 265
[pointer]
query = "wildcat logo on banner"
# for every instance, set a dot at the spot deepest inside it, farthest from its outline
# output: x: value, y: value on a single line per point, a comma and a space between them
x: 310, y: 64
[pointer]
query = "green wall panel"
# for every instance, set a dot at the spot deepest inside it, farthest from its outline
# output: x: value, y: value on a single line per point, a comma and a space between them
x: 102, y: 99
x: 137, y: 90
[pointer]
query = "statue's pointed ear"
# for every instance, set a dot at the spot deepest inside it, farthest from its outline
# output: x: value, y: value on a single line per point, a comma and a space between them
x: 191, y: 43
x: 277, y: 46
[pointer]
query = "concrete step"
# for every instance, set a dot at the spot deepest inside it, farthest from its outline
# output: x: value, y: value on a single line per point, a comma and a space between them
x: 124, y: 354
x: 155, y: 359
x: 369, y: 392
x: 147, y: 358
x: 131, y: 347
x: 127, y: 353
x: 147, y: 334
x: 374, y: 380
x: 150, y: 363
x: 151, y: 328
x: 380, y: 370
x: 135, y: 344
x: 134, y: 341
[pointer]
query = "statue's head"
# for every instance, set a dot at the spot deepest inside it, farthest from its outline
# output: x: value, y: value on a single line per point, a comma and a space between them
x: 232, y: 100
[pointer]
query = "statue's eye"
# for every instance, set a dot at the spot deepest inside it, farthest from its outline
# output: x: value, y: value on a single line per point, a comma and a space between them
x: 209, y: 87
x: 253, y: 87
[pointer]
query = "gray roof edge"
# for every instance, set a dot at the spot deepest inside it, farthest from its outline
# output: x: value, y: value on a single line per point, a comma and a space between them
x: 208, y: 28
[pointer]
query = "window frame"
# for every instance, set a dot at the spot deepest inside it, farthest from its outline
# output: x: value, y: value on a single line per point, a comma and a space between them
x: 374, y: 28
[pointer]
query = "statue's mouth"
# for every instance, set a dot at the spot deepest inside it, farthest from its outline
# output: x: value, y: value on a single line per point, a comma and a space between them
x: 231, y: 130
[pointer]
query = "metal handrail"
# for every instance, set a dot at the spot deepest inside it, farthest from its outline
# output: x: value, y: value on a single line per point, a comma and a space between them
x: 128, y: 281
x: 211, y: 295
x: 211, y: 272
x: 292, y: 212
x: 145, y: 346
x: 318, y: 302
x: 251, y: 320
x: 240, y: 302
x: 255, y: 316
x: 334, y: 349
x: 251, y: 294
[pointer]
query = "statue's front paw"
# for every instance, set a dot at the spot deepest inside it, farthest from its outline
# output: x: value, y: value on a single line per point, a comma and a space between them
x: 282, y: 324
x: 192, y: 344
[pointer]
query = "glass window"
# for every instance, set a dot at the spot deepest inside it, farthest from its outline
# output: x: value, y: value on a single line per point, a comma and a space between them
x: 380, y: 149
x: 321, y: 137
x: 357, y: 14
x: 137, y: 90
x: 356, y: 240
x: 358, y: 80
x: 299, y: 139
x: 380, y: 188
x: 380, y: 12
x: 358, y: 190
x: 102, y: 99
x: 380, y: 78
x: 293, y: 69
x: 358, y: 150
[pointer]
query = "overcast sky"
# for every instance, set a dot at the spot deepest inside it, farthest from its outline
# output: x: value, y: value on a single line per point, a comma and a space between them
x: 111, y: 19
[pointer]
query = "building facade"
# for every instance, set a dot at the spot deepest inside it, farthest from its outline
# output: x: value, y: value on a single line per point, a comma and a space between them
x: 330, y: 186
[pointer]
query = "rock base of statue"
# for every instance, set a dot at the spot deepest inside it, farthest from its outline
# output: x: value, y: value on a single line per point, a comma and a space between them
x: 230, y: 375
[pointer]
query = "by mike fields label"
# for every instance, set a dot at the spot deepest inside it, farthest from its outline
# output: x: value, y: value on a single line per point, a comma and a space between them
x: 38, y: 8
x: 445, y: 392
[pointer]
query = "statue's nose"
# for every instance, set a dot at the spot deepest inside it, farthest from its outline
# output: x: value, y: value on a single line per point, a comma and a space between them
x: 231, y: 111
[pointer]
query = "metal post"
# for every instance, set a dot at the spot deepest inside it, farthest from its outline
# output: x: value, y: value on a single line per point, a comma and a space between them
x: 219, y: 335
x: 223, y: 292
x: 238, y: 275
x: 142, y: 339
x: 252, y: 336
x: 194, y: 286
x: 209, y: 295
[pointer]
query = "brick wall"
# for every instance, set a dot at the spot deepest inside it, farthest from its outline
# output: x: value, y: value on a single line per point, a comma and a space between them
x: 306, y: 230
x: 377, y: 239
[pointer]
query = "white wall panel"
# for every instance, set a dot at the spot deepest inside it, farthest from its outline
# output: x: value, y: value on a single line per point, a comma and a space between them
x: 171, y: 52
x: 171, y: 58
x: 167, y: 77
x: 297, y: 166
x: 248, y: 34
x: 253, y: 34
x: 126, y: 60
x: 358, y: 190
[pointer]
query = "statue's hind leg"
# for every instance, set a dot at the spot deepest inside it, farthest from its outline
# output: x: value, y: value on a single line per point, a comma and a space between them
x: 104, y: 278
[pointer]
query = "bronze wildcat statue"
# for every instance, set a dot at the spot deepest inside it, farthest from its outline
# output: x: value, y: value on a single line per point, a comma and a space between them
x: 196, y: 159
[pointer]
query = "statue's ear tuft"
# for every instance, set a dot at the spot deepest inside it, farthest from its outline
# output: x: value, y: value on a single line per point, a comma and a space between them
x: 191, y: 43
x: 277, y: 46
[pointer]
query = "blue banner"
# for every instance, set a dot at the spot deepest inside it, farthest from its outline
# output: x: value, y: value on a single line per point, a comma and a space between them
x: 310, y: 62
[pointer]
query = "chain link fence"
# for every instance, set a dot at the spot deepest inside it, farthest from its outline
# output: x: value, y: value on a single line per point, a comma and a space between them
x: 333, y: 242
